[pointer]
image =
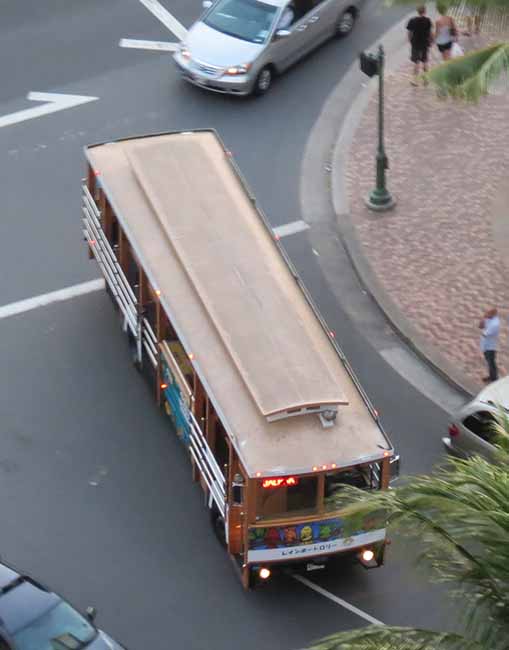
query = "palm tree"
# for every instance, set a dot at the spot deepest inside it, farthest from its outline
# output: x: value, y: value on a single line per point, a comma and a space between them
x: 471, y: 76
x: 460, y: 515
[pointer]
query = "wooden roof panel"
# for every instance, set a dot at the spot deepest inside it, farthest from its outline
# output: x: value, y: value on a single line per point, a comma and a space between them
x: 228, y: 256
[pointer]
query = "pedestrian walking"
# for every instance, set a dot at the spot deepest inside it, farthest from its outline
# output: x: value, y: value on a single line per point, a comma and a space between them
x: 446, y: 31
x: 490, y: 326
x: 419, y: 29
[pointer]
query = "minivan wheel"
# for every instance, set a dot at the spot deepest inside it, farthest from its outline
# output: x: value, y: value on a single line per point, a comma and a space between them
x: 263, y: 81
x: 345, y: 23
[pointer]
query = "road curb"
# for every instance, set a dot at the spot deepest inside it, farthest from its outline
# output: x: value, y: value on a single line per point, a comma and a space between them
x: 396, y: 47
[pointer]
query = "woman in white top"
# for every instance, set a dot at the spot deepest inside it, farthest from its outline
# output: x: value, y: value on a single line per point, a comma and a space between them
x: 445, y: 32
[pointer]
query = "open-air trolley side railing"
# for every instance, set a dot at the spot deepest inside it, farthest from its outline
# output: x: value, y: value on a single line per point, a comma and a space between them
x: 207, y: 464
x: 105, y: 257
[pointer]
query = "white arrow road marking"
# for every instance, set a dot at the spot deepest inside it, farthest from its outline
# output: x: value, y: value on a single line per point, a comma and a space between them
x: 54, y: 102
x: 148, y: 45
x: 166, y: 18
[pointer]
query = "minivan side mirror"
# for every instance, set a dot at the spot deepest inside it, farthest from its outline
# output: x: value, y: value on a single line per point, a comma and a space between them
x: 394, y: 468
x: 207, y: 4
x: 91, y: 613
x: 282, y: 33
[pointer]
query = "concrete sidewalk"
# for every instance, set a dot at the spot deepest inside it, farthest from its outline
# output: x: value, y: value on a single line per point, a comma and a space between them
x: 439, y: 259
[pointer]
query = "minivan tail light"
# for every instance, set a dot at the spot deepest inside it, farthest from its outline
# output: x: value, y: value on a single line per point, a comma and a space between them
x: 453, y: 430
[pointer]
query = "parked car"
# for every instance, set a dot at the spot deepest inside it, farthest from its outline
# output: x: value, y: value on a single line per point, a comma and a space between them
x: 34, y: 618
x: 238, y: 46
x: 470, y: 431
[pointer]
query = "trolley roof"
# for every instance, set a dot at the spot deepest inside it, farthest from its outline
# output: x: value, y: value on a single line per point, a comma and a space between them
x: 255, y: 340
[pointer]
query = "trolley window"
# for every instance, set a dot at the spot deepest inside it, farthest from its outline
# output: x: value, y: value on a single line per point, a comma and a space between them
x: 299, y: 496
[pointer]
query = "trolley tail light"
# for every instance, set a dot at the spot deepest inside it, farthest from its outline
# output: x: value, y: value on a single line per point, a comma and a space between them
x: 454, y: 430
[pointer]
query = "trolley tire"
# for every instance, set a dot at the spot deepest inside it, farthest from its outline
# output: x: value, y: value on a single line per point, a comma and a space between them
x: 133, y: 351
x: 218, y: 525
x: 111, y: 295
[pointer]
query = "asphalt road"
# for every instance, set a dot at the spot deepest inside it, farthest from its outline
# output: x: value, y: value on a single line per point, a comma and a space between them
x: 95, y: 492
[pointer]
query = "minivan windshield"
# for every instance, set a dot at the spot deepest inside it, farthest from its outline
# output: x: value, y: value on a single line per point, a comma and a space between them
x: 60, y: 628
x: 249, y: 20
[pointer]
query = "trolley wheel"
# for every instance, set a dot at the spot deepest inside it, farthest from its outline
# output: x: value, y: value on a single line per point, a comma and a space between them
x: 217, y: 521
x: 111, y: 295
x: 133, y: 351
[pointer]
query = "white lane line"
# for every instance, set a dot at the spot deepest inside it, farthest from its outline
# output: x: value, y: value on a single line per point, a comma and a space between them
x: 337, y: 600
x: 22, y: 306
x: 161, y: 46
x: 166, y: 18
x: 290, y: 228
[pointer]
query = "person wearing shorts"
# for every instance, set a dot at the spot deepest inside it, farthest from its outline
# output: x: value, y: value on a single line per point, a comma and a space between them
x: 446, y: 31
x: 419, y: 29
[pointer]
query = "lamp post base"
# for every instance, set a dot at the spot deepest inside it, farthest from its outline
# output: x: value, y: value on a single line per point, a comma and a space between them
x: 380, y: 201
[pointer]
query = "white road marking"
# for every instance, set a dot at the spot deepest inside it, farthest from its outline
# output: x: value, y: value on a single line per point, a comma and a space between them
x: 290, y: 228
x: 148, y: 45
x: 22, y: 306
x: 337, y: 600
x: 422, y: 378
x: 166, y: 18
x: 54, y: 102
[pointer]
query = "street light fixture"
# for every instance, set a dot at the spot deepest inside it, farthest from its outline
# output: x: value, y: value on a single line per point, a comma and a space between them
x: 380, y: 198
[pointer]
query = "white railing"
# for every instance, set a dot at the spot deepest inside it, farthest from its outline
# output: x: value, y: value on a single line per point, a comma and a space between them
x: 207, y: 464
x: 149, y: 342
x: 108, y: 263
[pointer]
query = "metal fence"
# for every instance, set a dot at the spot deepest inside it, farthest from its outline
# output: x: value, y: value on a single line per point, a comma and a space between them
x: 493, y: 21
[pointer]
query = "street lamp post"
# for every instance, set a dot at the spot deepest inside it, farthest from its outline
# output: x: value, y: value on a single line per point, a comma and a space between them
x: 380, y: 198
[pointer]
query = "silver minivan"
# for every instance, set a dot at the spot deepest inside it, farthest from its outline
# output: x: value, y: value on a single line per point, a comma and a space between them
x: 238, y: 46
x: 470, y: 431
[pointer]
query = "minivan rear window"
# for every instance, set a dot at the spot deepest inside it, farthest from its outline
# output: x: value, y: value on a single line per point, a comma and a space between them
x: 481, y: 424
x: 249, y: 20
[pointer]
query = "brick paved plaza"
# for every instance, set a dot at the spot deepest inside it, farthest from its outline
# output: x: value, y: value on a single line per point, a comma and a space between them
x: 441, y: 253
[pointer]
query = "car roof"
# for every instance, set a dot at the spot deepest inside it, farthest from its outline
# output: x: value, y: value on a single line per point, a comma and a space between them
x: 22, y: 600
x: 496, y: 393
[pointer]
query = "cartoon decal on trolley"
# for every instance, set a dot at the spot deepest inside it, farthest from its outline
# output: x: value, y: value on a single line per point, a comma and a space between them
x: 306, y: 533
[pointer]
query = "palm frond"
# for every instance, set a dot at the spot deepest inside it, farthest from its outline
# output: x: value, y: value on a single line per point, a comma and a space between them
x: 395, y: 638
x: 471, y: 76
x: 501, y: 430
x: 460, y: 516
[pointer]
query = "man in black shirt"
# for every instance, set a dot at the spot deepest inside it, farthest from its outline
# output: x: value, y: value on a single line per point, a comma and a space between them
x: 419, y: 34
